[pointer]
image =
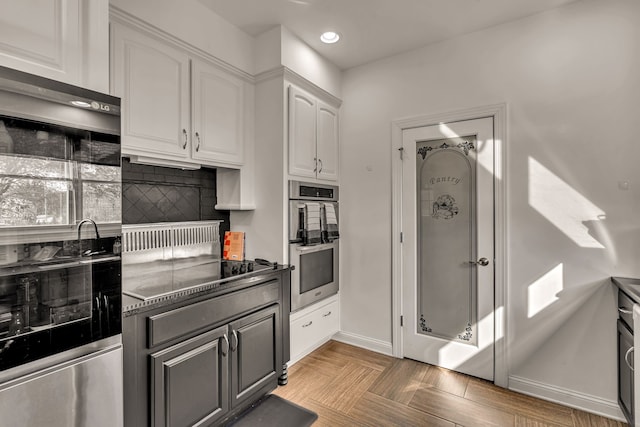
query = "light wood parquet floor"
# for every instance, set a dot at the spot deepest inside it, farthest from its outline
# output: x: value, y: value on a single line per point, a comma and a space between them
x: 350, y: 386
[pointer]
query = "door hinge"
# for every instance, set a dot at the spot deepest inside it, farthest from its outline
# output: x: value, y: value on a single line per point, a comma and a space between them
x: 401, y: 237
x: 401, y: 321
x: 401, y: 150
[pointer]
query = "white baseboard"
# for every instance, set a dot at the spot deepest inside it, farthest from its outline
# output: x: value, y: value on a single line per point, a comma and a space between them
x: 372, y: 344
x: 596, y: 405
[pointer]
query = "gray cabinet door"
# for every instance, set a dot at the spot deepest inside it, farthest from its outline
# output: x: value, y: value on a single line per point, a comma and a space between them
x: 189, y: 381
x: 256, y: 353
x: 625, y: 374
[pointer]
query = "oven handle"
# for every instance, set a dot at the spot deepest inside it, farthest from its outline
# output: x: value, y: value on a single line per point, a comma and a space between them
x: 315, y: 248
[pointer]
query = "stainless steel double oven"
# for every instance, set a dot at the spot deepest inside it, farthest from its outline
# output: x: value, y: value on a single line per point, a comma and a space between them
x: 313, y: 242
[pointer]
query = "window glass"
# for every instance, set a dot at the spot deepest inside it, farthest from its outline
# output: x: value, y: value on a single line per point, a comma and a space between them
x: 101, y: 192
x: 53, y: 175
x: 34, y: 191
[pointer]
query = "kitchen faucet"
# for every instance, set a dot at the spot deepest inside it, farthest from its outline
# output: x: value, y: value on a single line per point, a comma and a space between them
x: 95, y: 227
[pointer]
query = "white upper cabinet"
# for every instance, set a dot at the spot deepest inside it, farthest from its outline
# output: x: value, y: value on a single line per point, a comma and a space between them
x: 327, y: 142
x: 64, y: 40
x: 152, y: 79
x: 302, y: 133
x: 177, y: 108
x: 218, y: 116
x: 313, y: 137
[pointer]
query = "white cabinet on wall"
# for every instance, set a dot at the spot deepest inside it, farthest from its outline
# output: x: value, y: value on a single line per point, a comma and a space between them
x: 65, y: 40
x: 152, y: 78
x: 313, y: 137
x: 177, y: 108
x: 218, y: 116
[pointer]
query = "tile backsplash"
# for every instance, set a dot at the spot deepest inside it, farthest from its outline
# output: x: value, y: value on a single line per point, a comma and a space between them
x: 159, y: 194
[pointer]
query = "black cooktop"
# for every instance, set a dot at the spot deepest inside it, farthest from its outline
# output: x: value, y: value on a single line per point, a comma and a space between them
x: 152, y: 280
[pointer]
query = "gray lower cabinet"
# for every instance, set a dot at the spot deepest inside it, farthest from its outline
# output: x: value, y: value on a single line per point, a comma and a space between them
x: 625, y: 371
x: 625, y: 356
x: 189, y: 381
x: 202, y: 361
x: 255, y: 352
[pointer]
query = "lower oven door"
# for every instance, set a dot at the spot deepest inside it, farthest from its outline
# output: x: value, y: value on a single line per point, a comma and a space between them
x: 315, y: 276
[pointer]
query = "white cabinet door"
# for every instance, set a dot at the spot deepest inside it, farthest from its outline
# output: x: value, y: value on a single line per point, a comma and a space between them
x: 218, y: 115
x: 327, y: 142
x: 302, y: 133
x: 152, y: 78
x: 64, y: 40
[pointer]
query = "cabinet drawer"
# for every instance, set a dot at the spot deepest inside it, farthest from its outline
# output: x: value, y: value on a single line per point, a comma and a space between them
x: 310, y: 330
x: 181, y: 321
x: 625, y: 309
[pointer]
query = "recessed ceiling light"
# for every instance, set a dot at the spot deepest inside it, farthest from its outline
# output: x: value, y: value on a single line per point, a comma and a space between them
x: 330, y: 37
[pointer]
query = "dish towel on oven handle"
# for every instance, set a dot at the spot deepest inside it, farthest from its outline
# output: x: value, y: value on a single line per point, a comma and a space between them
x: 330, y: 223
x: 313, y: 235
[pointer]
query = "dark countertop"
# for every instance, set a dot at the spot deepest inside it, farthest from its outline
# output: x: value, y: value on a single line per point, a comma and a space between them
x: 56, y: 263
x: 629, y: 286
x: 134, y: 303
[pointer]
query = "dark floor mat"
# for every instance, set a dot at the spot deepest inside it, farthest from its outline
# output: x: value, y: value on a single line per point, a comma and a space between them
x: 274, y: 411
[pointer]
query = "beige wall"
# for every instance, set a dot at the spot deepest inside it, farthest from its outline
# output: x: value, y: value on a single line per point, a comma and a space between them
x: 570, y: 79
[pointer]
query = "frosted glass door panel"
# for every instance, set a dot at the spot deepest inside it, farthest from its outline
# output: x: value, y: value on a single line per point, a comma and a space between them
x: 446, y: 194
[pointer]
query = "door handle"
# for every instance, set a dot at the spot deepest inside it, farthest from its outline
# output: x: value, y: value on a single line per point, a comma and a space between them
x: 225, y: 349
x: 626, y: 358
x: 198, y: 138
x: 184, y: 132
x: 315, y: 169
x: 320, y: 170
x: 482, y: 261
x: 624, y: 310
x: 234, y: 347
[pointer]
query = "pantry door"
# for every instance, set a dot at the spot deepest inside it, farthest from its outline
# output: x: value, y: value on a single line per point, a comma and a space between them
x: 448, y: 246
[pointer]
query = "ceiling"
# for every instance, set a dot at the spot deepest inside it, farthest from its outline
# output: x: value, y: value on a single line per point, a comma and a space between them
x: 373, y: 29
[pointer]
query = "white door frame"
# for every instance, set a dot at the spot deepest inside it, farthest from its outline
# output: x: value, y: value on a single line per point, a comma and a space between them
x: 499, y: 114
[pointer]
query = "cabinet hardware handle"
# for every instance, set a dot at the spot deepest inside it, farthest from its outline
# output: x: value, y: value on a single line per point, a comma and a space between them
x: 198, y: 138
x: 99, y: 308
x: 626, y: 355
x: 624, y: 310
x: 225, y: 349
x: 107, y: 312
x: 184, y: 132
x: 482, y: 261
x: 320, y: 170
x: 326, y: 314
x: 308, y: 324
x: 315, y: 168
x: 235, y: 339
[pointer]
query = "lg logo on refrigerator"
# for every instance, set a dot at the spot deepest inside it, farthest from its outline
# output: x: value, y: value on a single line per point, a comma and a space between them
x: 97, y: 106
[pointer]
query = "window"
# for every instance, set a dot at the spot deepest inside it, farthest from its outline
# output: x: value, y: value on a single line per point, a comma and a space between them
x: 55, y: 176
